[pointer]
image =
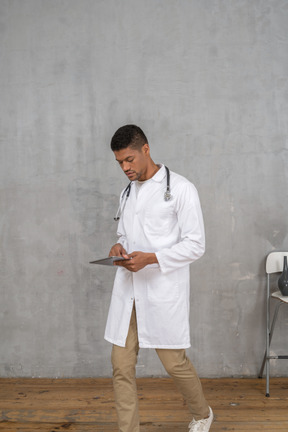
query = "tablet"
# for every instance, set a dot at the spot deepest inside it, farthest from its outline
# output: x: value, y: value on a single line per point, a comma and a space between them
x: 108, y: 261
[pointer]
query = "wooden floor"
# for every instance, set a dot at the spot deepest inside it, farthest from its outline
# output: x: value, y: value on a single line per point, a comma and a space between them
x: 86, y: 405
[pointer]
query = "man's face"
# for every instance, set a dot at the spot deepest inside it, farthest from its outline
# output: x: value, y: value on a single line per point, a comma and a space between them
x: 134, y: 162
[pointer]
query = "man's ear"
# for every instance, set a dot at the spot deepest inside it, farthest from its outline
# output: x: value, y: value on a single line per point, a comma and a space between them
x: 146, y: 149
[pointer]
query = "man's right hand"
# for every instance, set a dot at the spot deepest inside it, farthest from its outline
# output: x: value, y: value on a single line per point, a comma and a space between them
x: 118, y: 250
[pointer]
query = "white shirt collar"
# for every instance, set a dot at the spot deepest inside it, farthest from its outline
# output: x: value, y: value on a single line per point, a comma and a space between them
x: 160, y: 174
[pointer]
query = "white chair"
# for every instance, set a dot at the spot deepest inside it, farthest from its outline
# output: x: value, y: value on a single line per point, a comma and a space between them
x: 274, y: 264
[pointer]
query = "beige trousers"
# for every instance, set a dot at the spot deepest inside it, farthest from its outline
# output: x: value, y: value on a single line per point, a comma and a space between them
x: 177, y: 365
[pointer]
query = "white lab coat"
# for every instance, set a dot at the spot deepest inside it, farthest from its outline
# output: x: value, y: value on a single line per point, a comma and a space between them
x: 174, y: 230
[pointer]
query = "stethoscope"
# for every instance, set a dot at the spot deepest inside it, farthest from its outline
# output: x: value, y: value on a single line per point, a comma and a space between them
x: 126, y: 193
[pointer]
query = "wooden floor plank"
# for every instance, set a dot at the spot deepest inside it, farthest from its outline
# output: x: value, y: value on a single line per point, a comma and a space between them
x: 87, y: 405
x: 148, y: 427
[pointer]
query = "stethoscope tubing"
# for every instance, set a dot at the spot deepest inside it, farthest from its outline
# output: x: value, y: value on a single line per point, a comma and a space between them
x: 127, y: 192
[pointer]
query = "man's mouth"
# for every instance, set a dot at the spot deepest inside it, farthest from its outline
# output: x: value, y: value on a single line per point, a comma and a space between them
x: 129, y: 173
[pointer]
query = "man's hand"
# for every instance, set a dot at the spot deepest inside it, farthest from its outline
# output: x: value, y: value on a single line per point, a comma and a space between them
x: 118, y: 250
x: 137, y: 260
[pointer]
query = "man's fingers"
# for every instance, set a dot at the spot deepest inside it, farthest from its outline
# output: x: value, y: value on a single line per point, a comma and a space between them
x: 118, y: 263
x: 118, y: 250
x: 132, y: 255
x: 121, y: 262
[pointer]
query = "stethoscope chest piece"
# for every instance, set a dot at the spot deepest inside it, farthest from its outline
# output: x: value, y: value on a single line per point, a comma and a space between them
x: 167, y: 196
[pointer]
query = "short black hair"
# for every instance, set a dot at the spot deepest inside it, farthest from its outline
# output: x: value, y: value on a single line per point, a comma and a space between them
x: 128, y: 135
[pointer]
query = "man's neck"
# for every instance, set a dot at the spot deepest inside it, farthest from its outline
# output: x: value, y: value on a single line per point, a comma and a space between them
x: 151, y: 171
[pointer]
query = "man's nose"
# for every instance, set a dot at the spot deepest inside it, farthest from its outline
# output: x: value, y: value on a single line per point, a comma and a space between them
x: 126, y: 166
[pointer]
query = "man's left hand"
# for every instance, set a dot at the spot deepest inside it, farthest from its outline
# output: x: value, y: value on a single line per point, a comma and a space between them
x: 137, y: 261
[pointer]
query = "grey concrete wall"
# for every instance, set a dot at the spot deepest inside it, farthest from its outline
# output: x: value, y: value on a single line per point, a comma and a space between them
x: 207, y: 81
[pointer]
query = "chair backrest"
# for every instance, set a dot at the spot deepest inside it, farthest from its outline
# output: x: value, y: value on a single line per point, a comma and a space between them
x: 274, y: 262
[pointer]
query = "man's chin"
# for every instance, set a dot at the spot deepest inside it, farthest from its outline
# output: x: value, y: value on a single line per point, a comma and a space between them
x: 133, y: 176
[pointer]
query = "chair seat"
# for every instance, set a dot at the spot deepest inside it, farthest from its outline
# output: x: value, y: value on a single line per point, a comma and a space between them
x: 280, y: 297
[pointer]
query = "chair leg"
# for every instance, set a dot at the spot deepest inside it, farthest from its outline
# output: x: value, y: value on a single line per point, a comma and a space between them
x: 262, y: 366
x: 266, y: 359
x: 270, y: 338
x: 274, y: 321
x: 267, y: 378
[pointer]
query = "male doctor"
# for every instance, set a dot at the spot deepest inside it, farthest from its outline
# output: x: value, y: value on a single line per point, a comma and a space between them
x: 160, y: 233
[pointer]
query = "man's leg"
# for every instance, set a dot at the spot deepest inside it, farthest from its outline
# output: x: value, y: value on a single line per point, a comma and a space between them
x: 124, y: 362
x: 180, y: 368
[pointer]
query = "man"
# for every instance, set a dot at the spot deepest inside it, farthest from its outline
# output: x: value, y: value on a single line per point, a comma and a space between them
x: 160, y: 233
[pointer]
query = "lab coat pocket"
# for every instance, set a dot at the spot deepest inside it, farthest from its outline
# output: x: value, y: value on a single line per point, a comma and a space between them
x: 159, y: 222
x: 161, y: 287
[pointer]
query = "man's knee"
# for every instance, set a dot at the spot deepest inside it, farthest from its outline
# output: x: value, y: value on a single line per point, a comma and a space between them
x: 172, y: 369
x: 174, y: 361
x: 122, y: 363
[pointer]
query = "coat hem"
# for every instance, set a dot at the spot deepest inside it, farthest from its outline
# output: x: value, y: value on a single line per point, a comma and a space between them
x: 118, y: 343
x: 184, y: 346
x: 146, y: 345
